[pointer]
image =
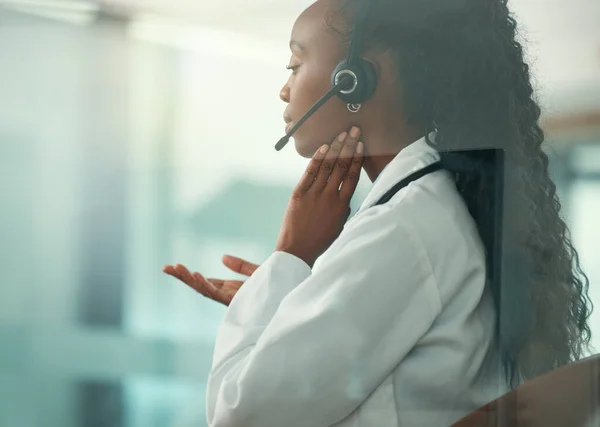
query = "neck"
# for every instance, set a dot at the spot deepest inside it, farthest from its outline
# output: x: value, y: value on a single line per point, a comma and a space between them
x: 381, y: 150
x: 374, y: 165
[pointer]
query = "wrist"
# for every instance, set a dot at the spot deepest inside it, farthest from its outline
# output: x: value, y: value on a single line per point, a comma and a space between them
x: 298, y: 254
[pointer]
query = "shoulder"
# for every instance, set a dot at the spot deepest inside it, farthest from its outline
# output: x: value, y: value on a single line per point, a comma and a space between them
x: 431, y: 217
x: 429, y: 208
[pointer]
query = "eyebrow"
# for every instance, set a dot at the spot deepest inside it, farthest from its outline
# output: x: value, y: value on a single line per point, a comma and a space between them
x: 298, y: 45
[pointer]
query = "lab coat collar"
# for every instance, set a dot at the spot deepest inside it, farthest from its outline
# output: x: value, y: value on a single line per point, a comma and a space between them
x: 410, y: 159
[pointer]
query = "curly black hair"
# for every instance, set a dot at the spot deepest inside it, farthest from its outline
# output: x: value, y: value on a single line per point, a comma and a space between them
x: 462, y: 72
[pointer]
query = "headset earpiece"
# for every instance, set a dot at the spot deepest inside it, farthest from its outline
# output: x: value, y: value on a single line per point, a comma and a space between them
x: 362, y: 72
x: 363, y: 84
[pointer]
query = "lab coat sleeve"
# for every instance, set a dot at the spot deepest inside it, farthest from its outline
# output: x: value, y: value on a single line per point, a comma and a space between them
x: 301, y: 350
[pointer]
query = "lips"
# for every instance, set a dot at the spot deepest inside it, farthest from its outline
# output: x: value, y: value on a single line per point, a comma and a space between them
x: 288, y: 123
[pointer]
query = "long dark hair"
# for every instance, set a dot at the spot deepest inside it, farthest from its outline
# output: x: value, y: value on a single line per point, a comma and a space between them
x: 462, y: 71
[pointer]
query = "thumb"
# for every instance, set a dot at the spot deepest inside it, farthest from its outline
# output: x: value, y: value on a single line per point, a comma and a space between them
x: 239, y: 265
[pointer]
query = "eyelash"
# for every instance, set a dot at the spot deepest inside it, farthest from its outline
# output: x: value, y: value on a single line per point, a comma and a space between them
x: 293, y: 68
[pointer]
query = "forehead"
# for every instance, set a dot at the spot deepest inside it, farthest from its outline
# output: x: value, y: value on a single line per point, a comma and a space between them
x: 313, y: 28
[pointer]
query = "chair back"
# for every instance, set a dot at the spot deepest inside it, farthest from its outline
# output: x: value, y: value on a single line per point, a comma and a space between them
x: 566, y: 397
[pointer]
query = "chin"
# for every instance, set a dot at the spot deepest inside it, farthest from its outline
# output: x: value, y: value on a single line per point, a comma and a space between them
x: 306, y: 150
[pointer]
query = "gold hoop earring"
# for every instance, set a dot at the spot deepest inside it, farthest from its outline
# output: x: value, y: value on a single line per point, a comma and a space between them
x: 354, y: 108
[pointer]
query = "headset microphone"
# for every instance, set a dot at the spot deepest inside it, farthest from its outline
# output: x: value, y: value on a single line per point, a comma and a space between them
x: 354, y: 80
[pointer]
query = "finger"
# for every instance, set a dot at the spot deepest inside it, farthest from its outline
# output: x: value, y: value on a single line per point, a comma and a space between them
x: 353, y: 176
x: 232, y: 285
x: 184, y: 273
x: 239, y: 265
x: 171, y: 271
x: 217, y: 282
x: 198, y: 283
x: 220, y: 292
x: 311, y: 172
x: 329, y: 163
x: 203, y: 287
x: 200, y: 287
x: 195, y: 281
x: 177, y: 273
x: 344, y: 160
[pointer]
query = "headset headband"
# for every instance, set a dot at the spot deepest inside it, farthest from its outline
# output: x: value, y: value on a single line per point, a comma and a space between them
x: 358, y: 32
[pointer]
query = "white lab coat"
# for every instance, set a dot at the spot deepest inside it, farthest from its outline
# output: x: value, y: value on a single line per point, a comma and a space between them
x: 394, y: 326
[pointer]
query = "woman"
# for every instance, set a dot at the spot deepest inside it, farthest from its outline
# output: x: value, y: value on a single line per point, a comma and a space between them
x: 397, y: 325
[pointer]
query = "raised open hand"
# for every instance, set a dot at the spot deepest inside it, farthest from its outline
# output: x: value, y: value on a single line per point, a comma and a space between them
x: 221, y: 291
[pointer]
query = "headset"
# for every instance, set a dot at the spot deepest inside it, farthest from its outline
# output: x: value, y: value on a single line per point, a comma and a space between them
x: 354, y: 79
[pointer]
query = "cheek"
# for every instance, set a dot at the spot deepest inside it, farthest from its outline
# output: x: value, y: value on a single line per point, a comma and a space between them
x: 330, y: 120
x: 306, y: 88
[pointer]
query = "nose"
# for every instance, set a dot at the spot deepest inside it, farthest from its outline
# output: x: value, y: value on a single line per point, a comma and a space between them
x: 284, y: 94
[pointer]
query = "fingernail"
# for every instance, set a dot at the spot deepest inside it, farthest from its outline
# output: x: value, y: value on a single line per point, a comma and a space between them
x: 360, y: 148
x: 354, y: 132
x: 324, y: 148
x: 342, y: 136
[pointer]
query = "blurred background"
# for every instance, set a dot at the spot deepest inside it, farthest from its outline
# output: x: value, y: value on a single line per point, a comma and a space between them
x: 136, y: 133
